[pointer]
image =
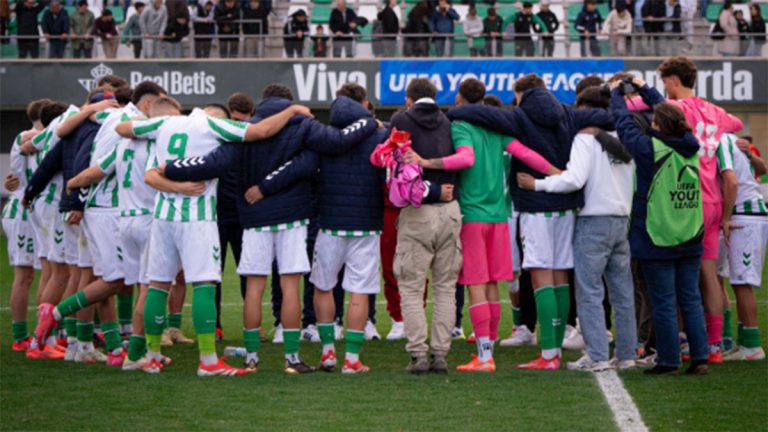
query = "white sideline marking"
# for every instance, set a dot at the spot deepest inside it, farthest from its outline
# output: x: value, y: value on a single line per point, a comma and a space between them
x: 625, y: 412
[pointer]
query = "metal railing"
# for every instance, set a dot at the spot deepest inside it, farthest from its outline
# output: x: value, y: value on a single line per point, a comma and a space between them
x: 636, y: 44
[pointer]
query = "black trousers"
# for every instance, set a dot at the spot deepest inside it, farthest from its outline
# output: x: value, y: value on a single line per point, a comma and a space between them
x: 29, y: 47
x: 230, y: 234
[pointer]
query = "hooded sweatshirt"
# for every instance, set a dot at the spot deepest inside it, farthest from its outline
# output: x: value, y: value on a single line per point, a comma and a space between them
x: 640, y: 146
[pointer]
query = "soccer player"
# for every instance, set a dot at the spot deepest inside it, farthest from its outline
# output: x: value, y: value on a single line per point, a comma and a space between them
x: 21, y: 237
x: 746, y: 252
x: 546, y: 220
x: 184, y: 233
x: 709, y: 122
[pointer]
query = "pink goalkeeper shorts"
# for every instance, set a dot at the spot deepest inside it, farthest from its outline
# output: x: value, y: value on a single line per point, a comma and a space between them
x: 713, y: 215
x: 487, y: 253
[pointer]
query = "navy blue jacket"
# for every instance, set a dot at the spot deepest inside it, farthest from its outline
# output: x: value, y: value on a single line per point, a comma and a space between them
x: 640, y: 146
x: 589, y: 21
x: 285, y: 200
x: 548, y: 128
x: 70, y: 156
x: 56, y: 25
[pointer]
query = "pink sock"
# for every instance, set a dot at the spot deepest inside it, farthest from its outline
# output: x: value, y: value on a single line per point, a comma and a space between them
x: 714, y: 328
x: 495, y: 309
x: 480, y: 315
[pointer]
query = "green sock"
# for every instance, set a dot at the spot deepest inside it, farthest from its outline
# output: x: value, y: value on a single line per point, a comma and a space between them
x: 154, y: 317
x: 84, y: 331
x: 355, y: 339
x: 327, y: 333
x: 563, y: 297
x: 727, y: 324
x: 137, y: 347
x: 19, y: 329
x: 70, y: 325
x: 252, y: 339
x: 546, y: 309
x: 111, y: 332
x: 751, y: 337
x: 740, y: 334
x: 174, y: 320
x: 125, y: 308
x: 96, y: 317
x: 517, y: 318
x: 204, y: 317
x: 291, y: 341
x: 72, y: 304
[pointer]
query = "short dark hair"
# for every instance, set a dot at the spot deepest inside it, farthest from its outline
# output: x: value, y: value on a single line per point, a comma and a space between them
x: 590, y: 2
x: 50, y: 111
x: 670, y: 120
x: 592, y: 97
x: 618, y: 76
x: 472, y: 90
x: 113, y: 81
x: 34, y: 108
x: 492, y: 100
x: 123, y: 95
x: 138, y: 5
x: 353, y: 91
x: 166, y: 101
x: 106, y: 12
x: 527, y: 5
x: 420, y: 88
x: 681, y: 67
x: 82, y: 3
x: 146, y: 88
x: 748, y: 138
x: 219, y: 106
x: 241, y: 103
x: 588, y: 81
x: 277, y: 90
x: 528, y: 82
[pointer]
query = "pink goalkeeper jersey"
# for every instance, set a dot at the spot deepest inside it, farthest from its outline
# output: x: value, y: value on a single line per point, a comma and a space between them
x: 709, y: 122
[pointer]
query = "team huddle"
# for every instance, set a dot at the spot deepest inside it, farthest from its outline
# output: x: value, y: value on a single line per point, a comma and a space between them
x: 625, y: 200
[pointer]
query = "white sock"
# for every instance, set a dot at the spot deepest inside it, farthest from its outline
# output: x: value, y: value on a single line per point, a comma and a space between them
x: 292, y: 358
x: 117, y: 351
x: 71, y: 343
x: 51, y: 341
x: 57, y: 315
x: 252, y: 356
x: 549, y: 354
x: 484, y: 348
x: 33, y: 344
x: 328, y: 348
x: 154, y: 355
x: 85, y: 347
x: 352, y: 358
x: 209, y: 359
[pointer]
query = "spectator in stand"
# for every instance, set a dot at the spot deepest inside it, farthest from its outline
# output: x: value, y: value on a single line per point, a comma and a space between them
x: 417, y: 24
x: 296, y: 31
x: 153, y: 21
x: 653, y: 13
x: 26, y: 22
x: 106, y: 29
x: 672, y: 27
x: 493, y: 27
x: 227, y: 16
x: 5, y: 16
x: 618, y: 25
x: 688, y: 14
x: 588, y: 24
x: 525, y: 24
x: 473, y: 29
x: 55, y: 26
x: 255, y: 24
x: 441, y: 22
x: 203, y: 23
x: 743, y: 31
x: 176, y: 30
x: 729, y: 46
x: 80, y: 28
x: 343, y: 25
x: 757, y: 26
x: 132, y: 30
x: 320, y: 42
x: 638, y: 40
x: 551, y: 24
x: 390, y: 26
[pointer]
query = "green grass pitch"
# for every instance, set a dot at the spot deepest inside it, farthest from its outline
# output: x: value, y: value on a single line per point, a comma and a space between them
x: 53, y: 395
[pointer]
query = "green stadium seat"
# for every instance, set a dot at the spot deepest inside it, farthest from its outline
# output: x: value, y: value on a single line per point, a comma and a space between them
x: 325, y: 2
x: 321, y: 14
x: 118, y: 14
x: 412, y: 1
x: 9, y: 51
x: 604, y: 10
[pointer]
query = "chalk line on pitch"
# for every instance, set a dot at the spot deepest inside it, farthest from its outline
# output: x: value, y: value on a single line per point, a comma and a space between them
x: 625, y: 412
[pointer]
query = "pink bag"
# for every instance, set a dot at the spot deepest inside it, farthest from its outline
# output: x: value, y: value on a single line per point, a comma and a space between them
x: 405, y: 184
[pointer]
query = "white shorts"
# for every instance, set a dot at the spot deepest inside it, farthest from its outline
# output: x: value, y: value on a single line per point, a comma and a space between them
x: 513, y: 239
x: 260, y: 248
x: 72, y: 241
x: 134, y: 233
x: 191, y: 246
x: 21, y: 242
x: 723, y: 269
x: 53, y: 228
x: 103, y: 236
x: 359, y: 256
x: 746, y: 253
x: 547, y: 240
x: 36, y: 224
x: 84, y: 253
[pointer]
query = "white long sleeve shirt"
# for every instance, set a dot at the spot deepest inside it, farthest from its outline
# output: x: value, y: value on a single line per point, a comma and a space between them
x: 608, y: 186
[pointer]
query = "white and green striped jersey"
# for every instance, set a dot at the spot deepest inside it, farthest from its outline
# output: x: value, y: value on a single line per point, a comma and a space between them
x: 127, y: 161
x: 282, y: 226
x: 724, y: 154
x: 44, y: 142
x: 749, y: 200
x: 178, y: 137
x: 350, y: 233
x: 18, y: 169
x: 106, y: 192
